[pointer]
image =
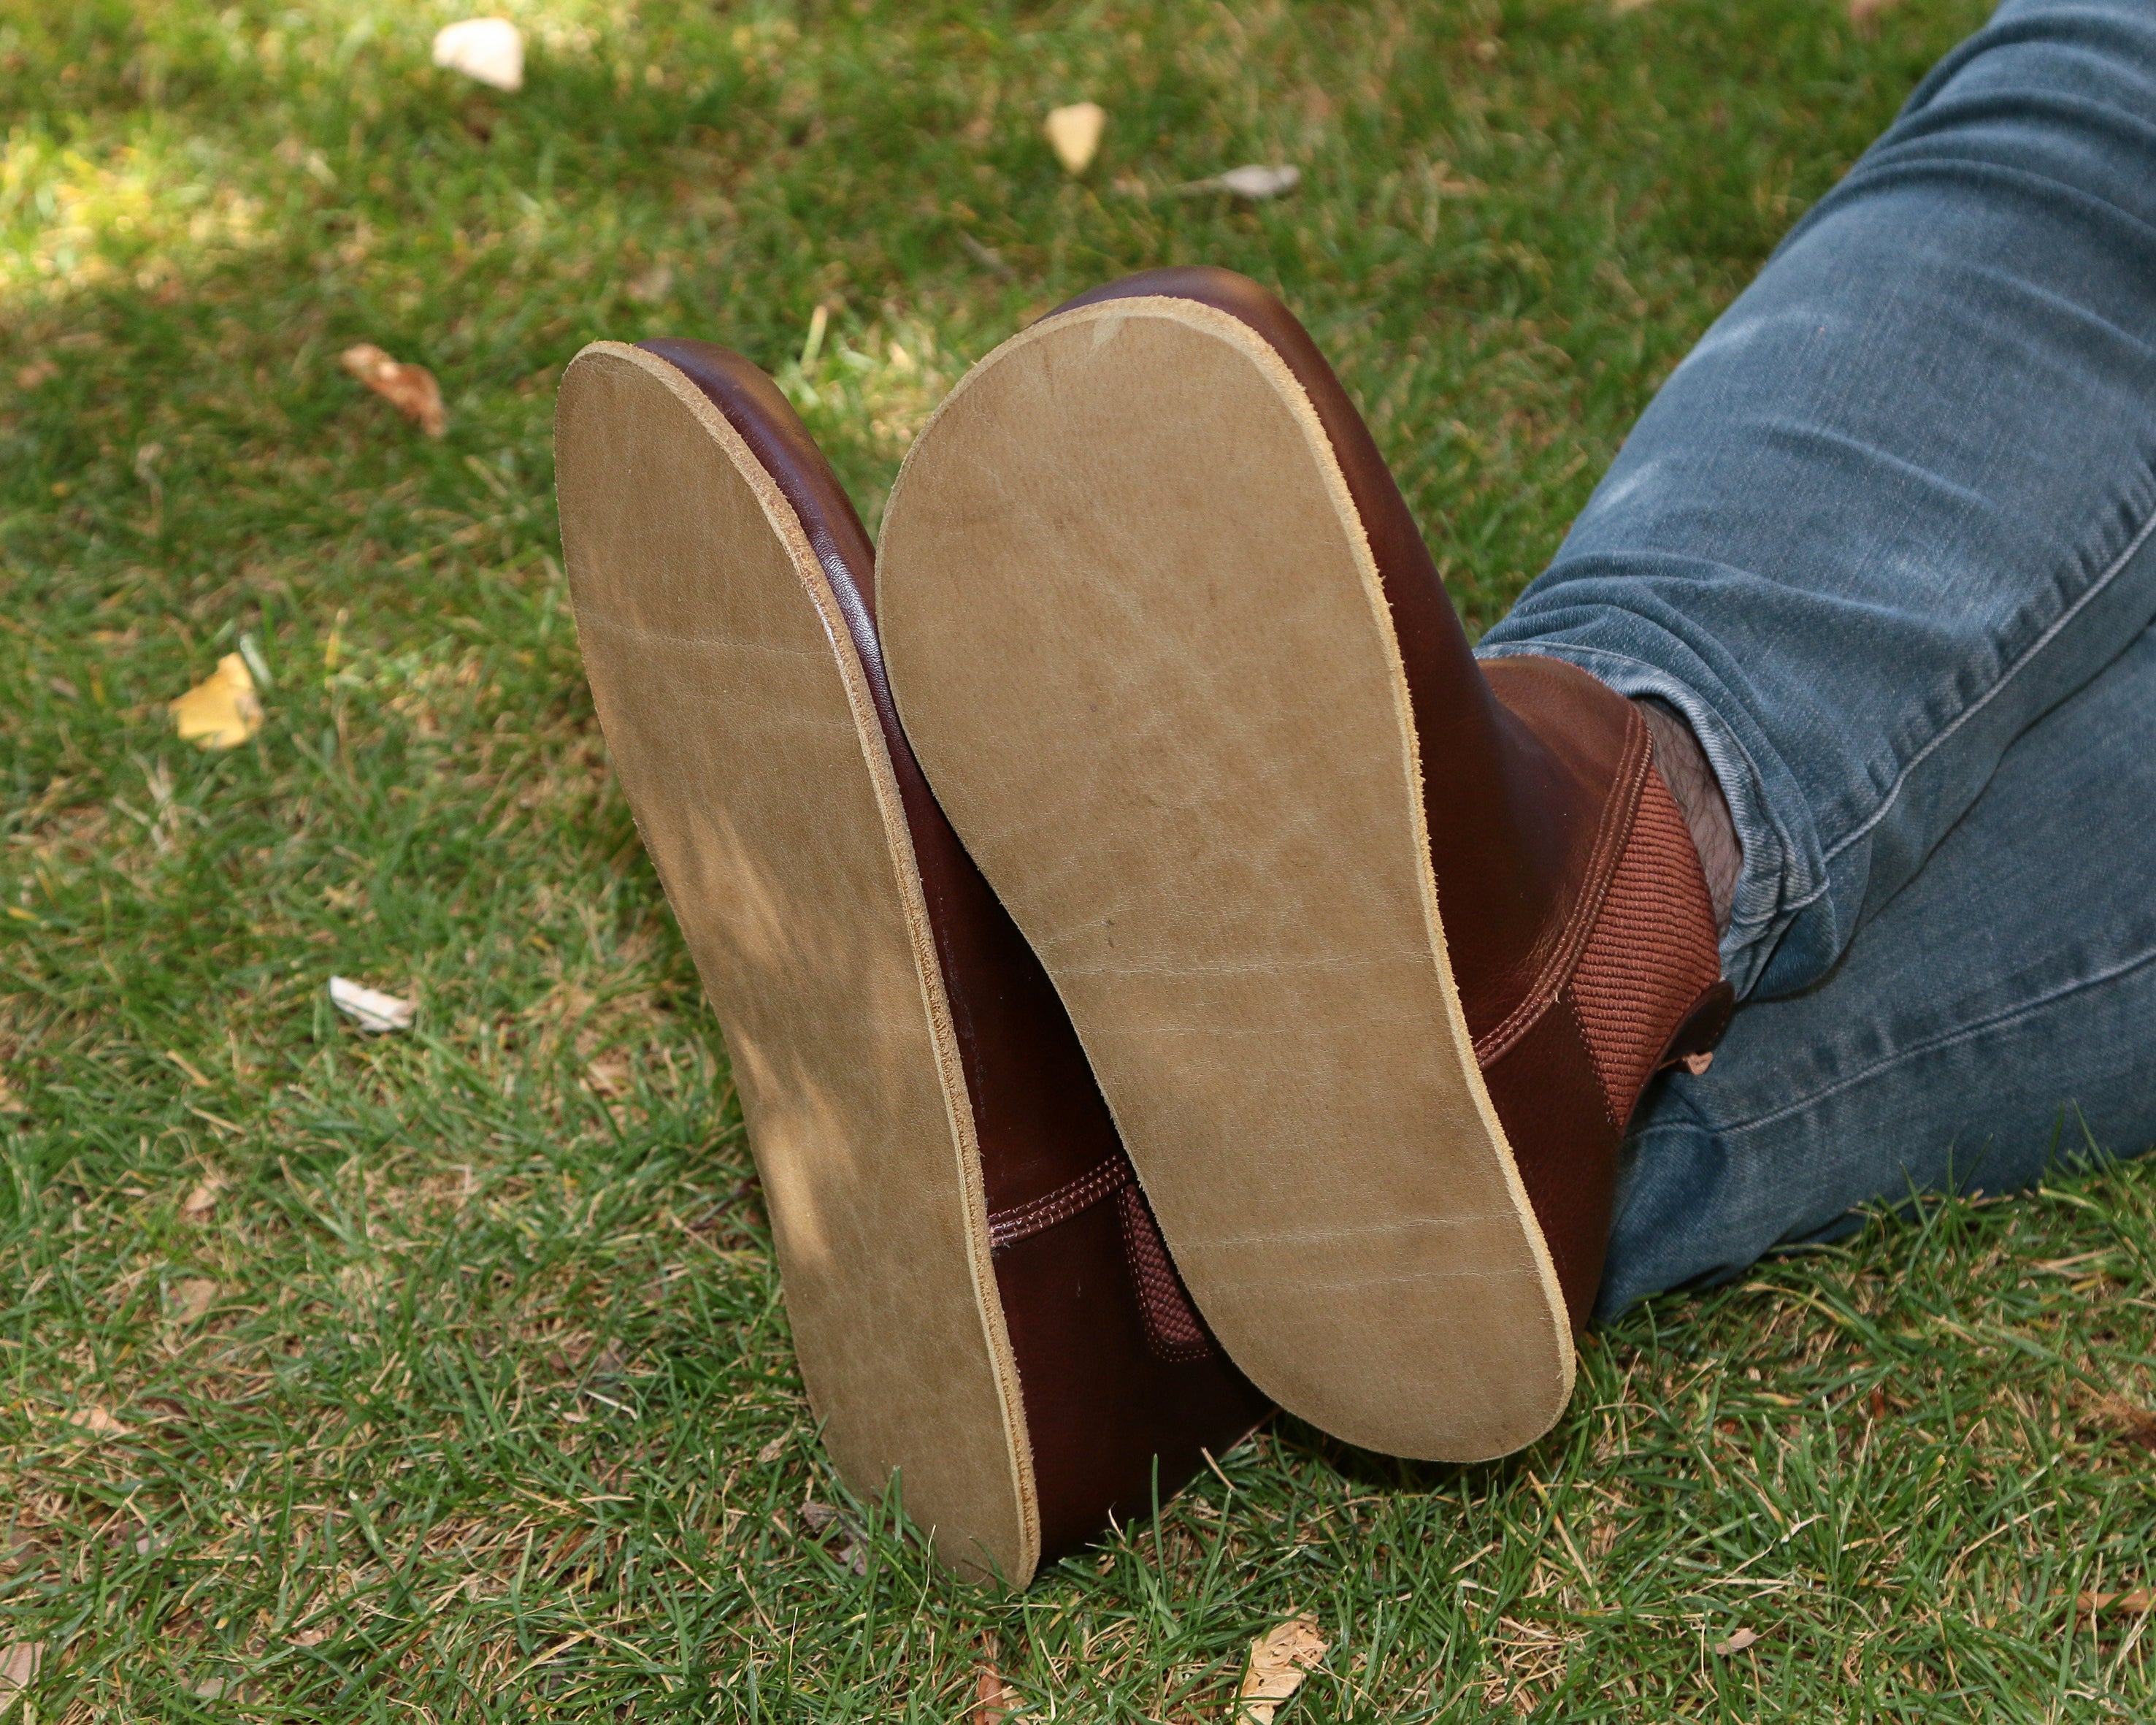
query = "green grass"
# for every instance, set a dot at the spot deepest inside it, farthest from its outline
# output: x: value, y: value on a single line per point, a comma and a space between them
x: 469, y: 1396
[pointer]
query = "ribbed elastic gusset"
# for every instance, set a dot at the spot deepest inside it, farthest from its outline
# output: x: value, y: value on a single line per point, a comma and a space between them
x: 1652, y: 953
x: 1172, y: 1326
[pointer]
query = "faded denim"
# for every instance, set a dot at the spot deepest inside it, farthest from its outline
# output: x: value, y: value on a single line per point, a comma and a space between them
x: 1885, y: 539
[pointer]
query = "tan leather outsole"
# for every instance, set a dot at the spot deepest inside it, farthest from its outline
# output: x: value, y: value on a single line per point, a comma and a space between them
x: 1139, y: 644
x: 735, y: 710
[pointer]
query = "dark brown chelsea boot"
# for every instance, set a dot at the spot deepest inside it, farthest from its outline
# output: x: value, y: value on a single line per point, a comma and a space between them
x: 980, y: 1300
x: 1373, y: 948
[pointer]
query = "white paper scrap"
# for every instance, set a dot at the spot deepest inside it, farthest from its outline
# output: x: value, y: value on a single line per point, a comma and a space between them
x: 1252, y: 180
x: 371, y: 1008
x: 490, y: 49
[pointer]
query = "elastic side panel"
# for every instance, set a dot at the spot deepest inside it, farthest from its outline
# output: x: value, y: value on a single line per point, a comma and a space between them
x: 1172, y: 1325
x: 1652, y: 952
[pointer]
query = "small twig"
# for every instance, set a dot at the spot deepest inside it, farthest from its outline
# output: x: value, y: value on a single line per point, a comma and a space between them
x: 986, y: 257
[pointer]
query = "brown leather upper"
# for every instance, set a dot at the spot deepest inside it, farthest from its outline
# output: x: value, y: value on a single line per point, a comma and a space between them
x: 1534, y: 774
x: 1109, y: 1381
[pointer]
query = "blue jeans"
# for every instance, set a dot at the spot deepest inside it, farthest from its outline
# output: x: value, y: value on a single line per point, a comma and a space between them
x: 1887, y: 538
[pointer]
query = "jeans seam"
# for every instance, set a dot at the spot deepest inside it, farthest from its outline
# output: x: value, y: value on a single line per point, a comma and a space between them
x: 1893, y: 791
x: 2042, y: 1002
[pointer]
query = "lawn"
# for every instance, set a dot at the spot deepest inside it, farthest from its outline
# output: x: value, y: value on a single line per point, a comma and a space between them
x: 443, y: 1375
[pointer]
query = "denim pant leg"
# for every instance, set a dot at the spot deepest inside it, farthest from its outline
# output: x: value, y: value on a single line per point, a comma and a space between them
x: 1897, y: 504
x: 2000, y: 1008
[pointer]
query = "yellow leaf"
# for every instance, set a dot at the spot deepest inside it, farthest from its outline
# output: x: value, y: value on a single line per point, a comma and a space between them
x: 1074, y: 134
x: 221, y: 711
x: 411, y: 389
x: 1280, y: 1660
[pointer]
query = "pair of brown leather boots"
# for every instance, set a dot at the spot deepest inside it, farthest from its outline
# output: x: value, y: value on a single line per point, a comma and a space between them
x: 1165, y: 974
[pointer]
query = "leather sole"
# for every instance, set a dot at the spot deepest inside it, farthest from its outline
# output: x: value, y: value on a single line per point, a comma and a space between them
x: 736, y: 711
x: 1140, y: 646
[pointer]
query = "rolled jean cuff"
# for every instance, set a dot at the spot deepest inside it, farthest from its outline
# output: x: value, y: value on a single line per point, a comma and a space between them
x: 1757, y: 915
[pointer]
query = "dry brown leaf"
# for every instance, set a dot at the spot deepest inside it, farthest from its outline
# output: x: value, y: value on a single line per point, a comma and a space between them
x: 608, y: 1074
x: 99, y: 1423
x: 2134, y: 1603
x: 308, y: 1638
x: 38, y: 371
x: 202, y: 1200
x: 221, y: 711
x: 821, y: 1517
x: 2136, y: 1424
x: 1740, y: 1640
x: 411, y: 389
x: 991, y: 1697
x: 772, y: 1451
x: 194, y: 1297
x: 1073, y: 133
x: 1280, y: 1660
x: 18, y: 1663
x: 10, y: 1103
x: 1865, y: 13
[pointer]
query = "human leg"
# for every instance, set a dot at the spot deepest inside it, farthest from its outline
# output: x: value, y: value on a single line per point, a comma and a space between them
x: 1993, y: 1013
x: 1183, y: 738
x: 1898, y: 502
